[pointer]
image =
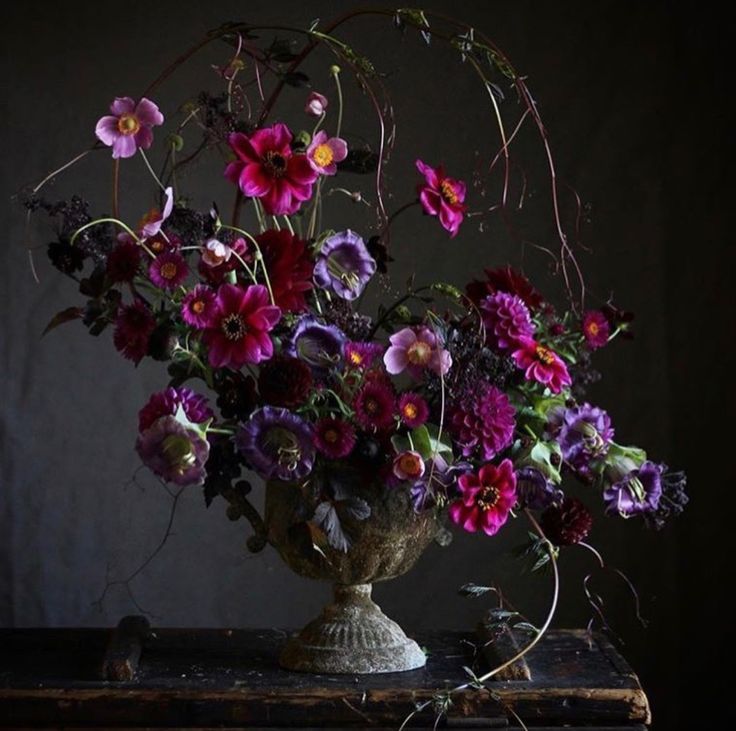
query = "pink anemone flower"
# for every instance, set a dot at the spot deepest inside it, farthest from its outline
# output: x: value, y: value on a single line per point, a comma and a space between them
x: 128, y: 128
x: 542, y: 365
x: 238, y: 332
x: 486, y: 498
x: 442, y: 196
x: 324, y: 153
x: 154, y: 219
x: 266, y: 168
x: 414, y: 349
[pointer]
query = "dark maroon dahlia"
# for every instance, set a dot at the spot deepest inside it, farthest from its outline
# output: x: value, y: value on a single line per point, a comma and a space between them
x: 124, y: 261
x: 505, y: 279
x: 236, y: 394
x: 285, y: 381
x: 568, y: 523
x: 133, y: 327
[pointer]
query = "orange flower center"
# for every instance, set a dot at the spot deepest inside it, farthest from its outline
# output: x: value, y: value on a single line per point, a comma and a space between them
x: 419, y: 353
x: 331, y: 436
x: 487, y: 497
x: 234, y: 327
x: 323, y: 155
x: 156, y: 245
x: 410, y: 411
x: 169, y: 270
x: 448, y: 192
x: 411, y: 465
x: 593, y: 328
x: 356, y: 358
x: 198, y: 307
x: 371, y: 405
x: 545, y: 355
x: 128, y: 124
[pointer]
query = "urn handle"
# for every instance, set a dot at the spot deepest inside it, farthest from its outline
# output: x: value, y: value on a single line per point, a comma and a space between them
x: 241, y: 507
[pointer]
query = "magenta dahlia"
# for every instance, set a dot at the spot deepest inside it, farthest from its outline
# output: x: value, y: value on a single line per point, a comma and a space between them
x: 239, y: 331
x: 335, y: 438
x: 506, y: 319
x: 486, y: 498
x: 266, y: 168
x: 133, y: 327
x: 167, y: 402
x: 483, y: 422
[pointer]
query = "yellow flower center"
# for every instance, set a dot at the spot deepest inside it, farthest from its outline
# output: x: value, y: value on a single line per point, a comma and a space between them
x: 169, y: 270
x: 448, y: 192
x: 487, y: 498
x: 545, y: 355
x: 356, y: 358
x: 593, y: 328
x: 128, y: 125
x: 323, y: 155
x: 410, y: 411
x: 419, y: 353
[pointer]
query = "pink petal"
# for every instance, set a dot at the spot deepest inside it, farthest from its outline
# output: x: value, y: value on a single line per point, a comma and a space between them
x: 233, y: 170
x: 339, y: 148
x: 281, y: 137
x: 301, y: 192
x: 460, y: 189
x: 253, y: 182
x: 299, y: 170
x: 429, y: 173
x: 144, y: 137
x: 262, y: 141
x: 395, y: 360
x: 430, y: 201
x: 278, y: 199
x: 243, y: 147
x: 404, y: 338
x: 148, y: 113
x: 124, y: 146
x: 122, y: 105
x: 107, y: 130
x: 450, y: 218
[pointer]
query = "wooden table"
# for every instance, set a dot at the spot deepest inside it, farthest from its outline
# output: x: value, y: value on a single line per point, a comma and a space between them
x: 205, y: 679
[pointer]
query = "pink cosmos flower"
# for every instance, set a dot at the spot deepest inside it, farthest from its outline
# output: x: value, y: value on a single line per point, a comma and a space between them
x: 154, y: 219
x: 542, y: 365
x: 415, y: 349
x: 486, y: 498
x: 408, y: 465
x: 442, y: 196
x: 316, y: 104
x: 266, y: 168
x: 199, y: 307
x: 129, y: 126
x: 596, y: 329
x: 238, y: 331
x: 324, y: 153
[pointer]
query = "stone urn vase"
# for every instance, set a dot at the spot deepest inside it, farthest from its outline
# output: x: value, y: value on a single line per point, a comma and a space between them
x: 352, y: 634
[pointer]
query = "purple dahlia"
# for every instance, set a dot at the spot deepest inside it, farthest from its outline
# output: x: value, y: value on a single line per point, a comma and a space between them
x: 174, y: 452
x: 483, y: 422
x: 585, y: 435
x: 637, y: 492
x: 507, y: 320
x: 344, y: 265
x: 277, y: 443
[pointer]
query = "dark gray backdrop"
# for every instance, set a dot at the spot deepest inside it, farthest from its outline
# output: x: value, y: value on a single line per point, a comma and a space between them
x: 631, y: 94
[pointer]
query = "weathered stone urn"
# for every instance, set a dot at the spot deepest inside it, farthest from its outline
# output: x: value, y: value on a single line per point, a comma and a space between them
x: 352, y: 634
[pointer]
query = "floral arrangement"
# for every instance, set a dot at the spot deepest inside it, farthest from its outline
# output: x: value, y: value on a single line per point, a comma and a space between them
x: 469, y: 399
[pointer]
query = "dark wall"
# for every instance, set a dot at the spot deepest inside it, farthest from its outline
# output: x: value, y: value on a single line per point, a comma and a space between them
x: 633, y: 95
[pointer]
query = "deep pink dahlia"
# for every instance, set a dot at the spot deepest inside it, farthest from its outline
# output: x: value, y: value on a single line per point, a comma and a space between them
x: 375, y: 405
x: 266, y: 168
x: 507, y: 320
x: 484, y: 422
x: 335, y: 438
x: 166, y: 403
x: 133, y: 327
x: 168, y: 270
x: 198, y: 308
x: 239, y: 331
x: 542, y: 365
x: 325, y: 152
x: 129, y: 126
x: 413, y: 410
x: 442, y: 196
x: 596, y: 329
x: 486, y: 498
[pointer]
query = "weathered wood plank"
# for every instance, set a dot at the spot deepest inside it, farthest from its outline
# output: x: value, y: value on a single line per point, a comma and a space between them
x: 124, y: 651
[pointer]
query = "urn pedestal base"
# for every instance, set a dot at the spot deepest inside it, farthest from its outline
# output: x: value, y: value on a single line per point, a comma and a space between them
x: 352, y: 635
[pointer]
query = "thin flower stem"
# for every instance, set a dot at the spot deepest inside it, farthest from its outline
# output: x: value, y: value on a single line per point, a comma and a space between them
x: 259, y: 258
x: 259, y: 215
x: 338, y: 85
x: 288, y: 225
x: 319, y: 123
x: 150, y: 170
x: 66, y: 165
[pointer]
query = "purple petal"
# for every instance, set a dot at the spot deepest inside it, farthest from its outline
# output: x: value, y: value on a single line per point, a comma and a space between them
x: 144, y: 137
x: 122, y: 105
x: 395, y: 360
x: 107, y: 130
x: 148, y: 113
x: 124, y: 146
x: 404, y: 338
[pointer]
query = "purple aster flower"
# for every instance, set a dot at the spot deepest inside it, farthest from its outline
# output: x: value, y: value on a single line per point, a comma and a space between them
x: 168, y: 270
x: 174, y: 452
x: 344, y: 265
x: 585, y: 435
x: 375, y: 405
x: 335, y: 438
x: 535, y: 491
x: 319, y: 345
x: 167, y: 402
x: 413, y: 410
x: 362, y: 355
x: 199, y: 307
x: 129, y: 126
x: 277, y: 443
x: 483, y: 422
x: 638, y: 492
x: 414, y: 350
x: 507, y: 320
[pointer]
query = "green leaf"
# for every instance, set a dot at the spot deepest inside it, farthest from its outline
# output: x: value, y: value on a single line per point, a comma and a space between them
x: 474, y: 590
x: 67, y: 315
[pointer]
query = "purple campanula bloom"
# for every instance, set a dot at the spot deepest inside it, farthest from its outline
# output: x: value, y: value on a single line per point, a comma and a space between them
x: 321, y: 346
x: 585, y: 435
x: 535, y: 491
x: 637, y: 492
x: 344, y: 265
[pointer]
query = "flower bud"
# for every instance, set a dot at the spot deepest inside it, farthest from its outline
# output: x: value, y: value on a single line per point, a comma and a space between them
x: 316, y: 104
